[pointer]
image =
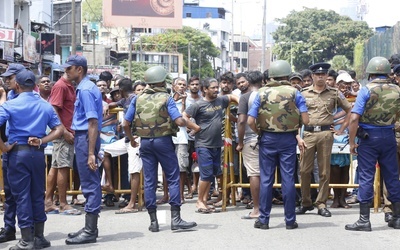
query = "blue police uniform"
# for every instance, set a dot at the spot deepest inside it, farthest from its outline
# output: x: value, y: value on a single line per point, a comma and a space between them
x: 27, y: 116
x: 158, y: 150
x: 277, y: 149
x: 380, y: 146
x: 88, y: 105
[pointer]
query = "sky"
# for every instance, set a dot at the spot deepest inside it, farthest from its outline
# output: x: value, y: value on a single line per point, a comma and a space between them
x: 380, y: 12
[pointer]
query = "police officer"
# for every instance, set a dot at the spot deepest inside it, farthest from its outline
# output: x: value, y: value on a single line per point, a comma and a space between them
x: 10, y: 209
x: 372, y: 119
x: 86, y: 122
x: 28, y: 116
x: 322, y: 102
x: 279, y: 109
x: 154, y: 117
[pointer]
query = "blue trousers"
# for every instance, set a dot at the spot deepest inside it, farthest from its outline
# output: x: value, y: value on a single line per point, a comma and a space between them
x: 277, y: 149
x: 159, y: 150
x: 380, y: 147
x: 10, y: 206
x: 26, y: 177
x: 90, y: 180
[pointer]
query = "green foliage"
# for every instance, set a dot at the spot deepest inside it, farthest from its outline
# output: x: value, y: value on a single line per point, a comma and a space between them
x: 339, y: 62
x: 92, y: 10
x: 138, y: 69
x: 318, y: 29
x: 201, y: 48
x: 359, y: 60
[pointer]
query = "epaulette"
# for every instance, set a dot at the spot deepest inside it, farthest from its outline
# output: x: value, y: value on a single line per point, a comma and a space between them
x: 306, y: 88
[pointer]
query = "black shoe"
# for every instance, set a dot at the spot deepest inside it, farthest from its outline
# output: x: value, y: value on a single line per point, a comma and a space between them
x: 260, y: 225
x: 324, y: 212
x: 6, y: 235
x: 293, y: 226
x: 388, y: 216
x: 303, y: 210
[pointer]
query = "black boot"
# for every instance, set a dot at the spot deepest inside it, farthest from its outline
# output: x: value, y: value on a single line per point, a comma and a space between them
x: 87, y: 234
x: 363, y: 224
x: 395, y: 222
x: 39, y: 239
x: 177, y: 222
x: 26, y: 241
x: 153, y: 220
x: 7, y: 235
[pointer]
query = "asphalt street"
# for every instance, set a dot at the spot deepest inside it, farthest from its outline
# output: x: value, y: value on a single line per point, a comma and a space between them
x: 224, y: 230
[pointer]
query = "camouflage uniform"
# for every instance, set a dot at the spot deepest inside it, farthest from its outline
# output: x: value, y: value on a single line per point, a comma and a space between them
x: 319, y: 139
x: 380, y: 114
x: 155, y: 125
x: 277, y: 108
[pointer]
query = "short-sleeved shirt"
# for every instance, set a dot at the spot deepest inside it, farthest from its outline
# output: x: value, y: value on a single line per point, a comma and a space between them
x: 245, y: 102
x: 171, y: 108
x: 125, y: 102
x: 190, y: 101
x: 88, y: 105
x: 322, y: 106
x: 208, y: 116
x: 63, y: 97
x: 27, y: 116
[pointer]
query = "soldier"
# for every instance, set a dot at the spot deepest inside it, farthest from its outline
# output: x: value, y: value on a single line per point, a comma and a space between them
x: 372, y: 119
x: 27, y: 117
x: 322, y: 101
x: 279, y: 109
x: 155, y: 118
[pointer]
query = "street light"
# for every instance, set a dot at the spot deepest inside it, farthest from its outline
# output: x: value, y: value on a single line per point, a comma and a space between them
x: 312, y: 53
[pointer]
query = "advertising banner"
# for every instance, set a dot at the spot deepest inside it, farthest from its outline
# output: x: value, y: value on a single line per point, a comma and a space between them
x: 7, y: 35
x: 166, y: 14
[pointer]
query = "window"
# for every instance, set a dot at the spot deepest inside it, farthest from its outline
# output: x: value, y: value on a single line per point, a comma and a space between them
x: 244, y: 46
x: 236, y: 46
x: 188, y: 14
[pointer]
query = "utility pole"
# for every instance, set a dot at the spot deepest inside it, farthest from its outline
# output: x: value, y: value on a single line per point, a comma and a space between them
x: 130, y: 54
x: 73, y: 35
x: 264, y: 34
x: 94, y: 49
x: 199, y: 63
x: 189, y: 62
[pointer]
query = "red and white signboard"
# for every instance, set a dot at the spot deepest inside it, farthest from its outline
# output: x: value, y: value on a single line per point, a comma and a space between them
x: 7, y: 35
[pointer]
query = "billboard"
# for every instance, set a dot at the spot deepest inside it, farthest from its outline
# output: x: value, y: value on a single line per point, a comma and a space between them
x: 166, y: 14
x: 29, y: 51
x: 7, y: 35
x: 49, y: 44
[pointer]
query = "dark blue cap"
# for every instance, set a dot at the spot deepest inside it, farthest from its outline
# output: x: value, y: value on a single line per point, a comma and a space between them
x: 75, y: 60
x: 320, y: 67
x: 396, y: 69
x: 13, y: 69
x: 26, y: 78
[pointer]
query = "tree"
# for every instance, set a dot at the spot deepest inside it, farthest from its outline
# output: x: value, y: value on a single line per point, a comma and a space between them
x: 201, y: 47
x: 339, y: 62
x: 92, y: 10
x: 318, y: 29
x: 137, y: 68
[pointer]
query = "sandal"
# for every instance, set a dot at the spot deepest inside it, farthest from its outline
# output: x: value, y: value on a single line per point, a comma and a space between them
x: 108, y: 202
x: 161, y: 201
x: 189, y: 196
x: 250, y: 205
x: 246, y: 200
x: 123, y: 204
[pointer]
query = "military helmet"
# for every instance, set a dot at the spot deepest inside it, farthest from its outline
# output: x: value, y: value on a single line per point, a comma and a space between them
x: 155, y: 74
x: 279, y: 68
x: 378, y: 65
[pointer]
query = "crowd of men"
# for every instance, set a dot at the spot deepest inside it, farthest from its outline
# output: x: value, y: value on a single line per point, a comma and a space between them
x: 181, y: 129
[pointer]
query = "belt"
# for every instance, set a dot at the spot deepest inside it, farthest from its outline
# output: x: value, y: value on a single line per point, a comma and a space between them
x: 317, y: 128
x: 26, y: 147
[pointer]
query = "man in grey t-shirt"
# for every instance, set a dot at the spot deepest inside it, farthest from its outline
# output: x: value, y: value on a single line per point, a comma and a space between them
x: 208, y: 142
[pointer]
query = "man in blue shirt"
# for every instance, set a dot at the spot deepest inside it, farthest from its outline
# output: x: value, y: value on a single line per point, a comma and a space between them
x: 372, y: 119
x: 155, y: 118
x: 27, y: 117
x: 8, y: 232
x: 279, y: 109
x: 86, y: 122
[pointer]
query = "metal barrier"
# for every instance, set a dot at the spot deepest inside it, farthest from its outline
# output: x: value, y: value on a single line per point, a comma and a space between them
x: 228, y: 163
x: 71, y: 191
